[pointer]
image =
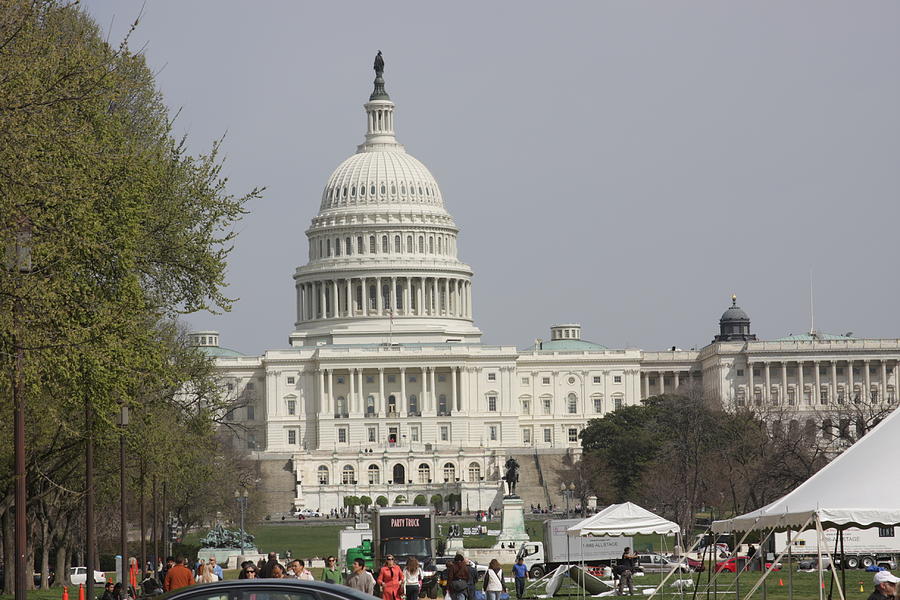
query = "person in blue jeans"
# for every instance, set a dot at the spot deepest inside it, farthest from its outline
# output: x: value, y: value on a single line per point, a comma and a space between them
x: 520, y: 573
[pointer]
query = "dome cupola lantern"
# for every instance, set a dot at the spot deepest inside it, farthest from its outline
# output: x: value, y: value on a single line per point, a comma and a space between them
x: 734, y: 324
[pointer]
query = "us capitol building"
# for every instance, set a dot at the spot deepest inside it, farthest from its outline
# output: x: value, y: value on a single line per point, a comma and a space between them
x: 387, y: 390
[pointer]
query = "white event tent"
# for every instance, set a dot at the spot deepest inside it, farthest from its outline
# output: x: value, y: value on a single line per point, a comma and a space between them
x: 623, y: 519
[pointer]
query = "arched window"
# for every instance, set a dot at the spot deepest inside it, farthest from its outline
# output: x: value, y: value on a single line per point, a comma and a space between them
x: 421, y: 244
x: 399, y: 474
x: 474, y: 472
x: 374, y: 475
x: 348, y: 246
x: 409, y: 244
x: 384, y: 244
x: 413, y: 405
x: 396, y: 244
x: 328, y: 246
x: 348, y: 475
x: 370, y: 405
x: 372, y: 296
x: 572, y: 404
x: 337, y: 247
x: 392, y: 404
x: 371, y: 244
x: 449, y: 472
x: 424, y: 473
x: 440, y: 245
x: 322, y: 474
x: 431, y: 245
x: 359, y: 245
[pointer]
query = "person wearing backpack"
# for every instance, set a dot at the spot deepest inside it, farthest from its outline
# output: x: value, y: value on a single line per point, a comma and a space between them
x: 458, y: 578
x: 493, y: 581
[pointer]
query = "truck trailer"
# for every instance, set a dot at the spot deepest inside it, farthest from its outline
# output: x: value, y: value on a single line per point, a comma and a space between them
x: 862, y: 547
x: 404, y: 531
x: 558, y: 548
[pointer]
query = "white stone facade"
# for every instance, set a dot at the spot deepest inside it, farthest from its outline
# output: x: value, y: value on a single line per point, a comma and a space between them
x: 387, y: 390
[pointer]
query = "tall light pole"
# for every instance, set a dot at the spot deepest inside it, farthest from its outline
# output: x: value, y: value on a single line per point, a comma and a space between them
x: 19, y: 261
x: 241, y: 498
x: 123, y: 527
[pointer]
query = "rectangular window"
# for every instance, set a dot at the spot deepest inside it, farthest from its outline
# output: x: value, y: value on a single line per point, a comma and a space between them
x: 492, y: 433
x: 840, y: 370
x: 251, y: 385
x: 757, y: 396
x: 573, y: 405
x: 442, y: 378
x: 230, y: 387
x: 414, y: 433
x: 548, y: 435
x: 792, y: 394
x: 617, y: 379
x: 445, y: 433
x: 886, y: 531
x: 290, y: 380
x: 391, y: 378
x: 617, y: 403
x: 251, y: 412
x: 598, y: 405
x: 526, y: 380
x: 547, y: 406
x: 342, y: 435
x: 492, y: 377
x: 573, y: 434
x: 372, y: 434
x: 292, y: 436
x: 526, y: 407
x: 340, y: 379
x: 370, y: 379
x: 292, y: 407
x: 412, y: 378
x: 740, y: 372
x: 598, y: 380
x: 545, y: 381
x: 492, y: 403
x: 823, y: 396
x: 756, y: 372
x: 526, y: 435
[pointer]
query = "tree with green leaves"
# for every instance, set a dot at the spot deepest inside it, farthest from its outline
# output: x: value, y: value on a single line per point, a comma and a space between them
x: 420, y: 500
x: 381, y: 501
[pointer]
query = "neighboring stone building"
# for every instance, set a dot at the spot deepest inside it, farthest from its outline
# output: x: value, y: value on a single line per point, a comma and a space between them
x: 387, y: 390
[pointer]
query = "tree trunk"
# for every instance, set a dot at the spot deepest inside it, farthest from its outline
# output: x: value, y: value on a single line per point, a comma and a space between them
x: 62, y: 564
x: 45, y: 555
x: 9, y: 553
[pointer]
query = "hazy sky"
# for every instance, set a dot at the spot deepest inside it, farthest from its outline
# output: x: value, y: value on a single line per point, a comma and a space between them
x: 626, y: 165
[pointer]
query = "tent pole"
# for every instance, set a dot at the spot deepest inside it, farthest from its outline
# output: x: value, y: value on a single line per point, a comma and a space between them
x: 819, y: 553
x: 775, y: 562
x: 790, y: 562
x: 843, y: 572
x: 831, y: 560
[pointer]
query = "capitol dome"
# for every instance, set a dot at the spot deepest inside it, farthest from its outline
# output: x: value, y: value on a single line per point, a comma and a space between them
x: 383, y: 263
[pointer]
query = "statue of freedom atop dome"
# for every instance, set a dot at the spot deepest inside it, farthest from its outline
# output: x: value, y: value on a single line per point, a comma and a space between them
x: 379, y: 65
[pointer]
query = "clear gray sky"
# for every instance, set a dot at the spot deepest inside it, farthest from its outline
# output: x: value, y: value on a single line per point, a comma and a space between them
x: 626, y: 165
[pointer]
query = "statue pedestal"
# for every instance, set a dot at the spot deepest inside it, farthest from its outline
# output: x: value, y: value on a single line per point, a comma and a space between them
x: 513, y: 519
x: 454, y: 543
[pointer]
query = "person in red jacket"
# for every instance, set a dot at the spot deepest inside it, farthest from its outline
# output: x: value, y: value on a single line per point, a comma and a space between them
x: 178, y: 576
x: 389, y: 578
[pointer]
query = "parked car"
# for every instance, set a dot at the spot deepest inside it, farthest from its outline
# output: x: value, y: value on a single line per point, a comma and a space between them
x: 282, y: 589
x: 37, y: 579
x: 693, y: 563
x: 307, y: 512
x: 730, y: 565
x: 78, y: 575
x: 657, y: 563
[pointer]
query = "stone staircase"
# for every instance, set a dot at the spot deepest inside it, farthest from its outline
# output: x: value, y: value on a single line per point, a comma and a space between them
x: 540, y: 475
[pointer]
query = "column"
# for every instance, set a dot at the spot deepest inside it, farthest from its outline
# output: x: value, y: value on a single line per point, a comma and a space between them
x: 454, y: 373
x: 469, y: 286
x: 359, y: 388
x: 645, y: 387
x: 393, y: 295
x: 330, y: 392
x: 833, y: 393
x: 447, y: 297
x: 784, y: 383
x: 867, y: 379
x: 433, y: 389
x: 768, y: 391
x: 420, y: 307
x: 321, y: 310
x: 883, y: 396
x: 751, y: 395
x: 334, y: 299
x: 382, y: 405
x: 407, y: 296
x: 351, y: 400
x: 436, y: 310
x: 849, y: 381
x: 403, y: 404
x: 349, y: 294
x: 800, y: 389
x: 817, y: 393
x: 363, y: 284
x: 323, y: 402
x: 299, y: 302
x: 379, y: 308
x: 662, y: 382
x: 676, y: 381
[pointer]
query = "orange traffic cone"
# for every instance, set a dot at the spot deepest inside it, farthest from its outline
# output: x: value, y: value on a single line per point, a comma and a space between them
x: 780, y: 582
x: 823, y: 587
x: 65, y: 593
x: 80, y: 591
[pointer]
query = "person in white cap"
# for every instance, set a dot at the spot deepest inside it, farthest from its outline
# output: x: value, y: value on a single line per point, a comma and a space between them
x: 885, y: 586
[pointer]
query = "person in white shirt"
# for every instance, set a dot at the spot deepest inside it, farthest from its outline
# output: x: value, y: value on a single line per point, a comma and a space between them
x: 493, y: 581
x: 299, y: 571
x: 412, y: 579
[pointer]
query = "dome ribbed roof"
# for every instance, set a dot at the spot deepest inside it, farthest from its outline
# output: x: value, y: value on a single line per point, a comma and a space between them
x: 380, y: 176
x: 735, y: 313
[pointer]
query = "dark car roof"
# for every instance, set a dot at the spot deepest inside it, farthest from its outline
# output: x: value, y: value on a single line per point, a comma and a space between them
x: 275, y: 585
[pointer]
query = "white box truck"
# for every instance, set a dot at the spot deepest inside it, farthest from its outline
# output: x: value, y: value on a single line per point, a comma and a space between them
x: 862, y: 547
x: 558, y: 548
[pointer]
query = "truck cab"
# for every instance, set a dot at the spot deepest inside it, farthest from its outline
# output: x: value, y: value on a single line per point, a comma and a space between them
x: 532, y: 553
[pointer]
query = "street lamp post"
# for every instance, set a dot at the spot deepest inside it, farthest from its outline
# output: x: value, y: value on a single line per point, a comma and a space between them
x: 123, y: 526
x: 241, y: 498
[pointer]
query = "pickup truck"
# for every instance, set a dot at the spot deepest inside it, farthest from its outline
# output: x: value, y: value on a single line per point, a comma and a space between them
x: 78, y: 575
